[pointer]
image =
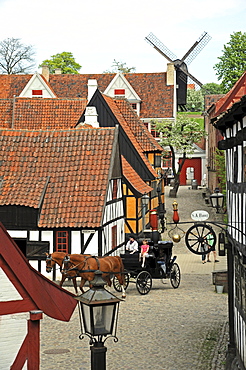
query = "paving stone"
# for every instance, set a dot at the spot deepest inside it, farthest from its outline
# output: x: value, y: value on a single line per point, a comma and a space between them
x: 167, y: 329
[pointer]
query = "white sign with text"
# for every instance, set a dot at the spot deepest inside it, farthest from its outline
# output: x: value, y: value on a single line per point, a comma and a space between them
x: 200, y: 215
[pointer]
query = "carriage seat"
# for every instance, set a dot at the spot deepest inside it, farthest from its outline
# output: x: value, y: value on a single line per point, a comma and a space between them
x: 151, y: 251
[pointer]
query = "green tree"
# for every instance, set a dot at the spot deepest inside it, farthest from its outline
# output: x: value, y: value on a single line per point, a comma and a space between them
x: 64, y: 61
x: 232, y: 63
x: 120, y: 67
x: 180, y: 136
x: 211, y: 88
x: 16, y: 57
x: 195, y: 100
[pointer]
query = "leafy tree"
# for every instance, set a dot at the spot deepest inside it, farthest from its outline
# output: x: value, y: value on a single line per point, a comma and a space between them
x: 64, y: 61
x: 232, y: 63
x: 211, y: 88
x: 195, y: 100
x: 180, y: 136
x: 16, y: 57
x: 221, y: 169
x: 120, y: 67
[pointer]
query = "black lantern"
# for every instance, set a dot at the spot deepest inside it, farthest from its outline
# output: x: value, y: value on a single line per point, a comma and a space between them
x: 222, y: 244
x: 217, y: 200
x: 98, y: 310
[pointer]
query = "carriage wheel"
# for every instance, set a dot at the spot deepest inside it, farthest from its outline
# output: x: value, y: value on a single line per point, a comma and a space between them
x: 117, y: 285
x: 144, y: 282
x: 175, y: 275
x: 196, y: 238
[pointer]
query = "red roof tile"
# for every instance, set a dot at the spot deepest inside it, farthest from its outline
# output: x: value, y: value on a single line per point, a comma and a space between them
x: 141, y: 133
x: 76, y: 188
x: 234, y: 95
x: 12, y: 85
x: 117, y: 113
x: 156, y: 96
x: 134, y: 179
x: 40, y: 113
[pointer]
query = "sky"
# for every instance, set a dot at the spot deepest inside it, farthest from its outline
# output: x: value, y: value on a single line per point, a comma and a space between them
x: 98, y: 31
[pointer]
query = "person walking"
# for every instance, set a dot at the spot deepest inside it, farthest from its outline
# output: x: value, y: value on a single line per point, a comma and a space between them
x: 211, y: 246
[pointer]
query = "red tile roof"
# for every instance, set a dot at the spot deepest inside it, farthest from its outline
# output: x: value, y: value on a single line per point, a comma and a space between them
x: 40, y: 113
x: 12, y: 85
x: 156, y: 96
x: 144, y: 137
x: 33, y: 165
x: 134, y: 179
x: 75, y: 86
x: 124, y: 124
x: 234, y: 95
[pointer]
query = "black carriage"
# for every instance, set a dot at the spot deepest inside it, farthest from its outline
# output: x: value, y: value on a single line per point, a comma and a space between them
x: 160, y: 264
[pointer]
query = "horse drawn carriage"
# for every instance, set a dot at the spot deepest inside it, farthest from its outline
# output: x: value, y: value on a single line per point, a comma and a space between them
x: 159, y: 264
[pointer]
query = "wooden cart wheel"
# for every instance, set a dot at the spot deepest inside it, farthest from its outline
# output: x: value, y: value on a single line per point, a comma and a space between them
x: 144, y: 282
x: 117, y: 285
x: 196, y: 238
x: 175, y: 275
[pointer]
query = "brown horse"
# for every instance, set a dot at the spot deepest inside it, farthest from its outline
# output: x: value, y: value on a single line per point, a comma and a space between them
x: 86, y: 267
x: 58, y: 257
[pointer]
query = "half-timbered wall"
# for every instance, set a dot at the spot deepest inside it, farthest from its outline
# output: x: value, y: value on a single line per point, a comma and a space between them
x: 235, y: 146
x: 113, y: 220
x: 86, y: 241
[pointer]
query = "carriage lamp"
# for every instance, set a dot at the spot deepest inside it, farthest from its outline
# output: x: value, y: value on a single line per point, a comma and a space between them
x: 217, y: 200
x: 98, y: 310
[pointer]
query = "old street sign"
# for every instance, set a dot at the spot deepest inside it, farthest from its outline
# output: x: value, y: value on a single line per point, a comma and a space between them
x: 200, y: 215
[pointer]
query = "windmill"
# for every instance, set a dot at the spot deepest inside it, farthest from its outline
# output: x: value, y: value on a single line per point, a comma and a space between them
x: 180, y: 65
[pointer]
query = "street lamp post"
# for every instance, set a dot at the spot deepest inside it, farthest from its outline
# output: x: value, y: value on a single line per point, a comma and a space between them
x: 98, y: 310
x: 217, y: 200
x: 145, y: 202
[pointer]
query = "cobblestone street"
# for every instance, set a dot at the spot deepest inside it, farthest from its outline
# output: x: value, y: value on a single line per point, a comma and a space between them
x: 167, y: 329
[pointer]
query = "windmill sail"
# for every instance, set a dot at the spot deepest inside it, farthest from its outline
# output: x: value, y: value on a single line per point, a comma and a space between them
x: 196, y: 48
x: 181, y: 64
x: 160, y: 47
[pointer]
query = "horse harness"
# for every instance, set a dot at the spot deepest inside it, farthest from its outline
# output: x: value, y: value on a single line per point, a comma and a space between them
x: 67, y: 269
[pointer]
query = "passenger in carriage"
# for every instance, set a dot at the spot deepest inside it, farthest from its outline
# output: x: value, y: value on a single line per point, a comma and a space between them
x: 132, y: 245
x: 144, y: 251
x: 162, y: 260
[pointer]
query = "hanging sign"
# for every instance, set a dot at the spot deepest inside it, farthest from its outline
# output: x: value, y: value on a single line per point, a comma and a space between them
x: 200, y: 215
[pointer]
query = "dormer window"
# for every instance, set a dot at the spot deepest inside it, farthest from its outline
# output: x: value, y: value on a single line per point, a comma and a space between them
x: 119, y: 92
x: 37, y: 93
x: 134, y: 106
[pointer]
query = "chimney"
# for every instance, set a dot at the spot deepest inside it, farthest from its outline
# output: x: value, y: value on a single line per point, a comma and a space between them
x: 46, y: 72
x: 58, y: 71
x: 91, y: 116
x: 92, y: 86
x: 170, y: 74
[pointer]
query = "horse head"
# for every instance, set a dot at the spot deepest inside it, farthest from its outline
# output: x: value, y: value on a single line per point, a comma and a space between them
x: 50, y: 263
